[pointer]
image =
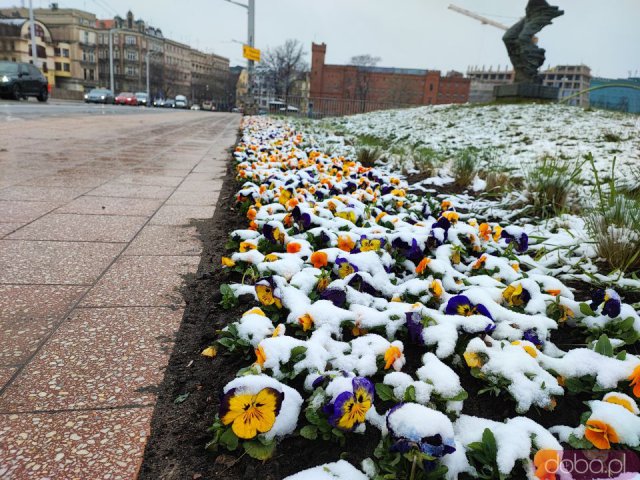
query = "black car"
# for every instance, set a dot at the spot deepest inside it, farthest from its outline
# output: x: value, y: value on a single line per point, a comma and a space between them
x: 22, y: 80
x: 100, y: 95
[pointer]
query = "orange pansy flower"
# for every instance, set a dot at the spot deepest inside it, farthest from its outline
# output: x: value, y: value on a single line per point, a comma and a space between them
x: 293, y: 247
x: 546, y: 463
x: 319, y: 259
x: 422, y: 266
x: 634, y: 378
x: 601, y: 434
x: 345, y: 243
x: 392, y: 354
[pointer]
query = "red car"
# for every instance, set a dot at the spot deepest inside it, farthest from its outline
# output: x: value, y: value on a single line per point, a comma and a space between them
x: 126, y: 98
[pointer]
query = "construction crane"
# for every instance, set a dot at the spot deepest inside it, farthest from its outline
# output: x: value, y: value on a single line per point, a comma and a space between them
x: 480, y: 18
x: 483, y: 20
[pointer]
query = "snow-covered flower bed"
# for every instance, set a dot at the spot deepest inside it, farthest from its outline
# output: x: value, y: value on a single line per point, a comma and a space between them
x: 381, y: 310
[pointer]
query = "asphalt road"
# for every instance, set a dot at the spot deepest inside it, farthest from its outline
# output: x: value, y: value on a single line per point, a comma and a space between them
x: 11, y: 110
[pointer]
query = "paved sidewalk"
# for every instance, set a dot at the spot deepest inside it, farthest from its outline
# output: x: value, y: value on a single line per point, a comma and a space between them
x: 93, y: 246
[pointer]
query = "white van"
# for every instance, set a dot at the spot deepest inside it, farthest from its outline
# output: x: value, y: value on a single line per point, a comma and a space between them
x: 181, y: 101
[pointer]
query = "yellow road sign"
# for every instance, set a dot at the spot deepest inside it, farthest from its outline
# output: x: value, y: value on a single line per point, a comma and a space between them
x: 251, y: 53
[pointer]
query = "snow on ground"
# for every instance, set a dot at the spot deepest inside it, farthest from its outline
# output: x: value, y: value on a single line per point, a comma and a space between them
x: 519, y: 133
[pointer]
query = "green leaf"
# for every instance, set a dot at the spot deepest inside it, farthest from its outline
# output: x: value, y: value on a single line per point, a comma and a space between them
x: 229, y: 440
x: 463, y: 395
x: 297, y: 353
x: 410, y: 394
x: 579, y: 443
x: 574, y: 385
x: 181, y: 398
x: 490, y: 442
x: 260, y: 450
x: 603, y: 346
x: 384, y: 392
x: 226, y: 342
x: 309, y: 432
x: 622, y: 355
x: 626, y: 324
x: 312, y: 416
x: 586, y: 310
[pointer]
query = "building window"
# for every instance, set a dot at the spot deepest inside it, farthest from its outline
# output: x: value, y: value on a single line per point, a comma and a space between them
x: 86, y: 36
x: 58, y: 66
x: 91, y: 74
x: 56, y: 52
x: 66, y: 67
x: 132, y: 55
x: 130, y: 40
x: 65, y: 52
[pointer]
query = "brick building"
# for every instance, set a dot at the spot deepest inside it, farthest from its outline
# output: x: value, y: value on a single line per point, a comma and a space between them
x: 348, y: 89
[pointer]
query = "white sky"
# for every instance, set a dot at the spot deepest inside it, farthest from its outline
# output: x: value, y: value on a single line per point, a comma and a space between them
x: 603, y: 34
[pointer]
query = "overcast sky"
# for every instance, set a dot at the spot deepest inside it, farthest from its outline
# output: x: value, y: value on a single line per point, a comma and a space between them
x: 603, y: 34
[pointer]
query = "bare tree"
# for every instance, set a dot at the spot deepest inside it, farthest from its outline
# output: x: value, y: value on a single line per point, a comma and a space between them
x: 362, y: 82
x: 284, y: 65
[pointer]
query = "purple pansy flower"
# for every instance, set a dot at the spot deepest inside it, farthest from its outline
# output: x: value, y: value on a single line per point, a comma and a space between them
x: 461, y: 305
x: 532, y: 336
x: 415, y: 327
x: 433, y: 445
x: 511, y: 234
x: 609, y: 298
x: 335, y: 295
x: 350, y: 408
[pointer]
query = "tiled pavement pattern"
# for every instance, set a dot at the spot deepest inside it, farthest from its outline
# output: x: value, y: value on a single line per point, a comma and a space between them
x: 94, y: 240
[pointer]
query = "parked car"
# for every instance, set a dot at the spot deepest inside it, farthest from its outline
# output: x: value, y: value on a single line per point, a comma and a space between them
x: 195, y: 107
x: 126, y: 98
x: 169, y: 103
x: 181, y: 101
x: 158, y: 102
x: 22, y: 80
x: 99, y: 95
x: 141, y: 97
x: 208, y: 105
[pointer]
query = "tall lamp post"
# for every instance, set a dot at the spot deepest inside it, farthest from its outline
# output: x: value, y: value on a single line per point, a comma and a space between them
x: 146, y: 58
x: 251, y: 13
x: 111, y: 82
x: 34, y: 51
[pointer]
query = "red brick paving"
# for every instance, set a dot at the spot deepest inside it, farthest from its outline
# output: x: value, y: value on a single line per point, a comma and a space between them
x: 94, y: 245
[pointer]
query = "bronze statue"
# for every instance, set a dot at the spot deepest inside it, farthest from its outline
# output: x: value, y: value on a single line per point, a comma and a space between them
x: 520, y: 40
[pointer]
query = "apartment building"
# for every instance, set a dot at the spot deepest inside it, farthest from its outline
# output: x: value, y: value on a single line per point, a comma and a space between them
x: 15, y: 45
x: 76, y: 30
x: 75, y: 45
x: 569, y: 79
x: 132, y: 41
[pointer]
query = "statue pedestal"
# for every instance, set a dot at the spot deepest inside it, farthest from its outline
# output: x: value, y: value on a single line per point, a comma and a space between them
x: 525, y: 91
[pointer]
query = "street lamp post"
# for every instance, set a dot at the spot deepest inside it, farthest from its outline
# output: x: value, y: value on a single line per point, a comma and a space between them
x: 34, y: 51
x: 146, y: 57
x: 251, y: 13
x: 111, y: 82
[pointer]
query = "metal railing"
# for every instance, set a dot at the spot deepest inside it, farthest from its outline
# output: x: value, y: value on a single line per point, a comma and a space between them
x: 320, y: 107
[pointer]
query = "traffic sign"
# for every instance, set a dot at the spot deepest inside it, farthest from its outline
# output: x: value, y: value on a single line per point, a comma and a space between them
x: 251, y: 53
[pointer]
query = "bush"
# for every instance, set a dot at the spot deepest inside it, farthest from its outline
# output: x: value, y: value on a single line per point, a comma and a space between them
x: 615, y: 224
x: 369, y: 156
x: 426, y: 160
x: 549, y: 185
x: 465, y: 166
